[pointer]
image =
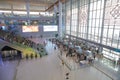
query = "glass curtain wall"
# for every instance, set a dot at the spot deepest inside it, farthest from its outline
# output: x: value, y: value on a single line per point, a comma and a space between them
x: 95, y: 17
x: 95, y: 20
x: 111, y: 32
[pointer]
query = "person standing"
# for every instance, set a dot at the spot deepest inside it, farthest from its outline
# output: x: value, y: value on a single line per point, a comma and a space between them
x: 1, y: 62
x: 94, y: 56
x: 61, y: 52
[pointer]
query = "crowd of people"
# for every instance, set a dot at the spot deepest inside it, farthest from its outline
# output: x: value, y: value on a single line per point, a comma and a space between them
x: 71, y: 52
x: 89, y: 53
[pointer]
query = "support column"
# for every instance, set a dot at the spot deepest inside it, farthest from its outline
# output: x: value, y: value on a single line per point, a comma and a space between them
x: 78, y: 7
x: 101, y: 38
x: 28, y: 11
x: 65, y: 18
x: 55, y: 9
x: 70, y: 18
x: 88, y: 12
x: 60, y: 19
x: 55, y: 14
x: 12, y: 10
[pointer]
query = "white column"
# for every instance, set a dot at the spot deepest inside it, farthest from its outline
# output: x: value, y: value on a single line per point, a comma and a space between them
x: 12, y: 10
x: 55, y: 9
x: 78, y: 7
x: 55, y: 14
x: 88, y: 12
x: 28, y: 11
x: 60, y: 19
x: 102, y: 29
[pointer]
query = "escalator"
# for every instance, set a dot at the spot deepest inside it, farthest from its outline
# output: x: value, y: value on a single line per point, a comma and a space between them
x: 22, y: 49
x: 26, y: 46
x: 8, y: 53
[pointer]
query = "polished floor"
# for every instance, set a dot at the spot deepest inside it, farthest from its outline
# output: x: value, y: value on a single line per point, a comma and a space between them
x: 50, y: 67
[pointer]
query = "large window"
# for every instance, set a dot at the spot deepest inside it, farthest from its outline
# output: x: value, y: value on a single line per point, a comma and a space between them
x: 111, y: 30
x: 95, y: 20
x: 83, y: 9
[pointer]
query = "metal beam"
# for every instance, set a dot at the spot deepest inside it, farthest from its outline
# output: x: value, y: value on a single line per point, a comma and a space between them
x: 56, y: 3
x: 98, y: 44
x: 21, y: 10
x: 26, y: 18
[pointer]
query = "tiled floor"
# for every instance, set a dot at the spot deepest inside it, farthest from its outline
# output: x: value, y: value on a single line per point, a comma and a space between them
x: 50, y: 68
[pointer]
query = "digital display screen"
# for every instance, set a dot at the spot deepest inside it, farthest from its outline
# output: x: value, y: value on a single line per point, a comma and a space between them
x: 30, y: 29
x: 47, y: 28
